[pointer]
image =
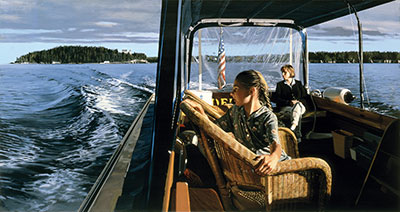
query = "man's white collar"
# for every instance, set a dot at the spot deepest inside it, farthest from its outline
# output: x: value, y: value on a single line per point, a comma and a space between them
x: 293, y: 82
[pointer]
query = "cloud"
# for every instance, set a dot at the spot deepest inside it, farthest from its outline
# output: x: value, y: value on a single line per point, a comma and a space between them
x: 15, y: 5
x: 344, y: 32
x: 106, y: 24
x: 134, y: 35
x: 81, y: 40
x: 378, y: 22
x: 87, y: 30
x: 28, y: 31
x: 80, y: 20
x: 11, y: 18
x: 137, y: 21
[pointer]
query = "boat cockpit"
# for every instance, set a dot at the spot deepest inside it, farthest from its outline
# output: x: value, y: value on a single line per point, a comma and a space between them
x: 265, y: 36
x: 348, y: 157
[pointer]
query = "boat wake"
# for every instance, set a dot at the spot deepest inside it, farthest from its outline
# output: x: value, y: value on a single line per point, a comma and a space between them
x: 56, y: 140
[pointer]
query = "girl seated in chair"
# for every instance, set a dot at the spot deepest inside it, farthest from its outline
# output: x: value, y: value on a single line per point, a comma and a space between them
x: 252, y: 121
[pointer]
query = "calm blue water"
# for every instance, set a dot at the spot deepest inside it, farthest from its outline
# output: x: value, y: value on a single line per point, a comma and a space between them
x: 59, y: 124
x: 382, y: 84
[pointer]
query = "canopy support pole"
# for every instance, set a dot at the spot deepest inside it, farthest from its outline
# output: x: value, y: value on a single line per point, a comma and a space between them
x: 304, y: 37
x: 360, y: 56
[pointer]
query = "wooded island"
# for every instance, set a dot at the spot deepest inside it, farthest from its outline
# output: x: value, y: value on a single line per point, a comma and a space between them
x: 81, y: 54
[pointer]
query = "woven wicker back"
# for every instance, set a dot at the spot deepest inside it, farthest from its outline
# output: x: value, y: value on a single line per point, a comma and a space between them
x: 235, y: 169
x: 288, y: 142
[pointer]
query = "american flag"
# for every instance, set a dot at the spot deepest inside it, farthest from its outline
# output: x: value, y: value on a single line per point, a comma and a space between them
x: 221, y: 63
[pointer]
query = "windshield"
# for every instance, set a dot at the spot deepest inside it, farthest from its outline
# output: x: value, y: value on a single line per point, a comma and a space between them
x: 265, y: 49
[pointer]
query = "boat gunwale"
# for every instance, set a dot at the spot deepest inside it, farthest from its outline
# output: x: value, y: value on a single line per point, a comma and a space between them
x: 93, y: 194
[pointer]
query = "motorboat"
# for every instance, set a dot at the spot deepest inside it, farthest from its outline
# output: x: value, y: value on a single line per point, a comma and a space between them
x: 353, y: 152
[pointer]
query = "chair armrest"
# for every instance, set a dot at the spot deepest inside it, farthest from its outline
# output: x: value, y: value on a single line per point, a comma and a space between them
x: 214, y: 112
x: 219, y: 135
x: 305, y: 164
x: 301, y: 164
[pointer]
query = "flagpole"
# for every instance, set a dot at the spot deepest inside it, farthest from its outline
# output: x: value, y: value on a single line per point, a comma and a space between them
x: 200, y: 62
x: 291, y: 47
x: 221, y: 62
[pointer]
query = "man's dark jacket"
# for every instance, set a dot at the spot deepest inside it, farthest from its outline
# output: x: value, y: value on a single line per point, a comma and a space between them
x: 284, y: 94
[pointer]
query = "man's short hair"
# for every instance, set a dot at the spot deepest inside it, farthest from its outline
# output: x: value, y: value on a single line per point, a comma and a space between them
x: 288, y: 68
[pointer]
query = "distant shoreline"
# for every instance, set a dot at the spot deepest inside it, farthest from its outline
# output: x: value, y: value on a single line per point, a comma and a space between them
x: 127, y: 62
x: 115, y: 63
x: 319, y: 57
x: 111, y: 63
x: 88, y: 55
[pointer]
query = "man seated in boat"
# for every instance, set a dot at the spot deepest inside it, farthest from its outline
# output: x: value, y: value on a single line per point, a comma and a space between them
x: 252, y: 121
x: 290, y: 98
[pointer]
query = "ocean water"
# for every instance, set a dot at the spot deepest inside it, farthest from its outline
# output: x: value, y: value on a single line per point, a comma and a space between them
x: 59, y: 124
x: 382, y: 82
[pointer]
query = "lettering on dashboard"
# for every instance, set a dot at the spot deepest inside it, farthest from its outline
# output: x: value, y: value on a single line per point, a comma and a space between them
x: 222, y: 101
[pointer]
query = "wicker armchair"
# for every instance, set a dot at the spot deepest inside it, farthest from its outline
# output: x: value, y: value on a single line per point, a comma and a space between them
x: 300, y: 183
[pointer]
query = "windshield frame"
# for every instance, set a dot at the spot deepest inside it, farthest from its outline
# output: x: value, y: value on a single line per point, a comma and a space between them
x: 224, y: 22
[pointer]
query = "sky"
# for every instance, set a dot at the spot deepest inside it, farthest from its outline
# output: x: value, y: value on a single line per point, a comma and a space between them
x: 34, y: 25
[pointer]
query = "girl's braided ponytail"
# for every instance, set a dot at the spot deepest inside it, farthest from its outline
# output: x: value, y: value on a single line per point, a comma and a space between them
x: 253, y: 78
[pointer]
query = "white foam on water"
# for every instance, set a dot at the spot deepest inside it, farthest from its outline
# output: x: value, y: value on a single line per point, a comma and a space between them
x: 138, y: 87
x: 16, y: 155
x: 111, y: 96
x: 63, y: 185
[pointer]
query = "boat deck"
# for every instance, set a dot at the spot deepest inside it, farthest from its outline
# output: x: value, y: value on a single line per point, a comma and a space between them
x: 347, y: 179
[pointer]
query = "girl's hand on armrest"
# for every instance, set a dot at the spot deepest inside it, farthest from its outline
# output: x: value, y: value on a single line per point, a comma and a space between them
x: 195, y: 105
x: 267, y: 163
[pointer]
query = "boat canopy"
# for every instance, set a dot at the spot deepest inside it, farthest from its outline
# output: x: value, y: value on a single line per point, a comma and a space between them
x: 304, y: 13
x: 281, y: 40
